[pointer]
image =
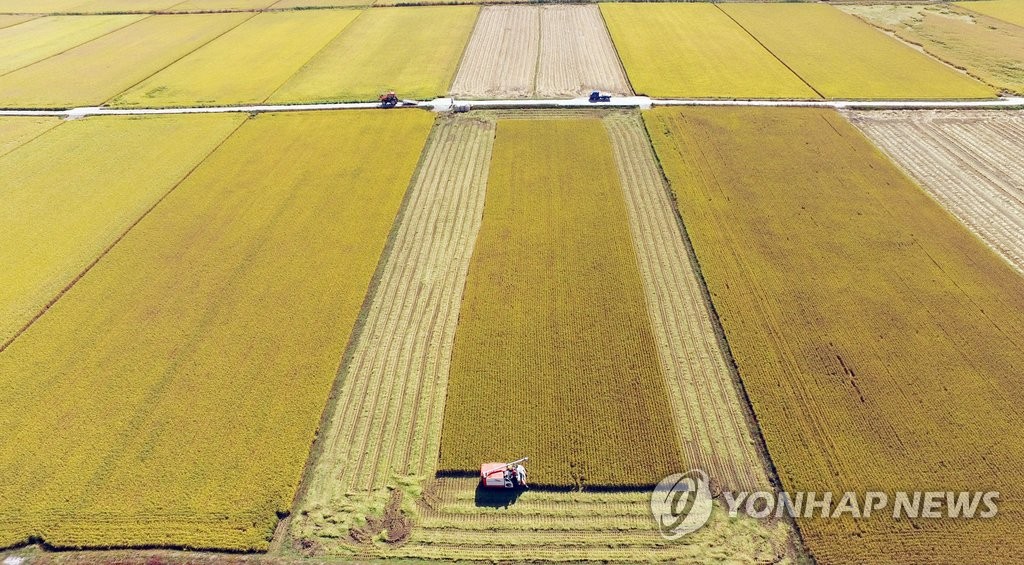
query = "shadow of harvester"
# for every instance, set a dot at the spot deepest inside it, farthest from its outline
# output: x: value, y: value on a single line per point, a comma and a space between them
x: 496, y: 497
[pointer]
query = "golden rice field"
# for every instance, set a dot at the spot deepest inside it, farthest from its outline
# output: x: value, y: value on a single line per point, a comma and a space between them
x: 54, y: 230
x: 31, y: 41
x: 1010, y: 11
x: 814, y: 40
x: 986, y: 48
x: 553, y: 332
x: 16, y: 131
x: 170, y: 397
x: 695, y: 50
x: 245, y: 65
x: 874, y: 333
x: 8, y: 20
x: 413, y: 51
x: 112, y: 63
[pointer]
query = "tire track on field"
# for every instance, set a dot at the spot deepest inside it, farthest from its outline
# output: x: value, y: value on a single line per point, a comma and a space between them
x: 391, y: 405
x: 707, y: 406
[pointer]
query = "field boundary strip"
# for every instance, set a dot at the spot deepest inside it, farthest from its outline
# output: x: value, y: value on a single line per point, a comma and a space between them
x: 770, y: 52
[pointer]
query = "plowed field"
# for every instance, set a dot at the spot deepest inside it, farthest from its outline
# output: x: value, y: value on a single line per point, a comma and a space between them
x: 878, y: 339
x: 969, y: 161
x: 539, y: 52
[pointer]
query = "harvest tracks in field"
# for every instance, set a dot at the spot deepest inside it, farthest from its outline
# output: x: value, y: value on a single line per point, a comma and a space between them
x: 176, y: 387
x: 384, y: 431
x: 710, y: 412
x: 539, y: 52
x: 970, y: 162
x: 877, y: 338
x: 384, y: 428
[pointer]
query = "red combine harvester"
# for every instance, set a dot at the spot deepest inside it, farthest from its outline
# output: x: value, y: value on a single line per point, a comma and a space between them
x: 504, y: 475
x: 388, y: 99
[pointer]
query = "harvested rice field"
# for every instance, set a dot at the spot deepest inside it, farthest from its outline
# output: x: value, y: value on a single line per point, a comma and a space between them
x: 539, y: 52
x: 329, y: 281
x: 869, y: 327
x: 969, y: 161
x: 374, y: 464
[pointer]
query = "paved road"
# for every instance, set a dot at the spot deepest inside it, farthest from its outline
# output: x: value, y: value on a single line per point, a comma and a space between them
x: 447, y: 104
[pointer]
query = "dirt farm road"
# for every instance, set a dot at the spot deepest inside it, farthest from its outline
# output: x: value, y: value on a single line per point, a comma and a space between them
x: 447, y: 104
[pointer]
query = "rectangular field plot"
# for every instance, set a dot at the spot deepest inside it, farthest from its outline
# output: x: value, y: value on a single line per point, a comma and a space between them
x: 413, y: 51
x: 26, y: 43
x: 109, y: 64
x: 539, y: 52
x: 969, y: 161
x: 877, y: 338
x: 54, y: 229
x: 842, y: 57
x: 1011, y: 11
x: 554, y: 352
x: 989, y: 49
x: 695, y: 51
x: 243, y: 66
x: 171, y: 395
x: 15, y: 131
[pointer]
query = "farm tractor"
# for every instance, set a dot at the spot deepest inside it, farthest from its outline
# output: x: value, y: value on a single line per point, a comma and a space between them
x: 504, y: 475
x: 388, y: 99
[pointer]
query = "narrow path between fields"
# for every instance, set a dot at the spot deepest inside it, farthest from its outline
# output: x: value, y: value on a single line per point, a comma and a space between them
x: 451, y: 104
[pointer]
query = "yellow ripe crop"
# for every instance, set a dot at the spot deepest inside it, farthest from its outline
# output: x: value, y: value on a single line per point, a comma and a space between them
x: 554, y: 354
x: 989, y: 49
x: 16, y: 131
x: 695, y: 51
x: 171, y: 396
x: 117, y: 6
x: 877, y: 338
x: 243, y: 66
x: 842, y: 57
x: 1011, y: 11
x: 199, y: 5
x: 282, y: 4
x: 93, y: 72
x: 413, y: 51
x: 40, y: 38
x: 55, y: 228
